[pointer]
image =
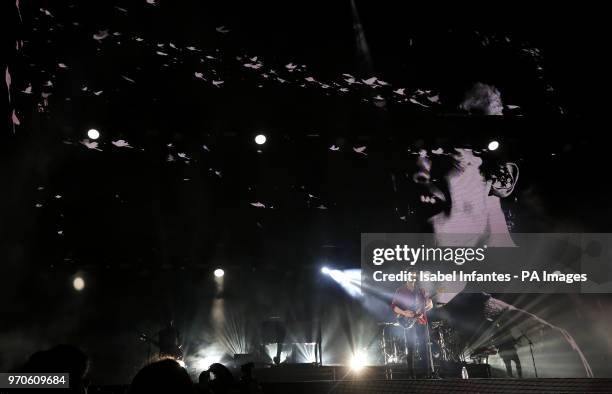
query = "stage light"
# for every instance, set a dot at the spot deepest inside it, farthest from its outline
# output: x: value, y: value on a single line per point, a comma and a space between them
x: 325, y: 270
x: 181, y: 363
x: 219, y: 273
x: 358, y: 361
x: 271, y: 350
x: 260, y: 139
x: 493, y: 145
x: 350, y: 280
x: 93, y: 134
x: 78, y: 283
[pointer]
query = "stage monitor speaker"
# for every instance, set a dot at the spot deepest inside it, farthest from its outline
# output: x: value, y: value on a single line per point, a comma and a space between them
x: 478, y: 370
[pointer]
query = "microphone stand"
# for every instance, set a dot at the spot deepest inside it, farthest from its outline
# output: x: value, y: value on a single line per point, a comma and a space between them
x: 531, y: 350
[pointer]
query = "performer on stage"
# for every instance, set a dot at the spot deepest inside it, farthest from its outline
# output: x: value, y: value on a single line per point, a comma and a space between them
x: 410, y: 303
x: 507, y: 352
x: 169, y: 341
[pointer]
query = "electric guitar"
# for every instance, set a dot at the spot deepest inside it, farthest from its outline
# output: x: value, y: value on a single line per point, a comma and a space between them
x: 409, y: 322
x: 420, y: 318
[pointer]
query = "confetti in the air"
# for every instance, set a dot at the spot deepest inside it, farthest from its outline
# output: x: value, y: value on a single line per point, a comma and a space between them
x: 369, y: 81
x: 15, y: 119
x: 100, y: 35
x: 91, y: 145
x: 121, y: 144
x: 360, y: 149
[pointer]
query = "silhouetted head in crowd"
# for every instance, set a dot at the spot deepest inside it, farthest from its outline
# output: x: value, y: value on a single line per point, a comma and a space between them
x: 221, y: 379
x: 164, y: 376
x: 204, y: 381
x: 62, y: 358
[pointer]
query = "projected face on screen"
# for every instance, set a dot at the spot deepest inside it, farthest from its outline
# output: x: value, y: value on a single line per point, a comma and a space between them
x: 458, y: 192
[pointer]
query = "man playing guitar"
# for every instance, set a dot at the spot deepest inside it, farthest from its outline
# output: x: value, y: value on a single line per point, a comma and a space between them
x: 410, y: 304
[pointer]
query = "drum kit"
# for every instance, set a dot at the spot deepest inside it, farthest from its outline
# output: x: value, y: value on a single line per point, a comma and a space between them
x: 443, y: 343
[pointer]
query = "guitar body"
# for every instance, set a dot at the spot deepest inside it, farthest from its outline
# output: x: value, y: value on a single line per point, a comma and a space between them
x: 409, y: 322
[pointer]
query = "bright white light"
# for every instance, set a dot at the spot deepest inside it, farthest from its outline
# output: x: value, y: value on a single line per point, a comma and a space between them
x: 201, y: 359
x: 260, y: 139
x: 78, y: 283
x: 181, y: 363
x: 325, y: 270
x: 358, y: 361
x: 350, y: 280
x: 493, y: 145
x: 271, y: 350
x: 93, y: 134
x: 204, y: 363
x: 219, y: 273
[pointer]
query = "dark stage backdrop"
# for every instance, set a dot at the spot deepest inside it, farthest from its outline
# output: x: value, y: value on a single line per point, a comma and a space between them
x: 347, y: 94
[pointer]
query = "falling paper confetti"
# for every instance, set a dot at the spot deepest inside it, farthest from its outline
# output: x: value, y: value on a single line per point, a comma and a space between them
x: 369, y: 81
x: 15, y: 119
x: 91, y: 145
x: 100, y: 35
x: 360, y: 150
x: 121, y: 144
